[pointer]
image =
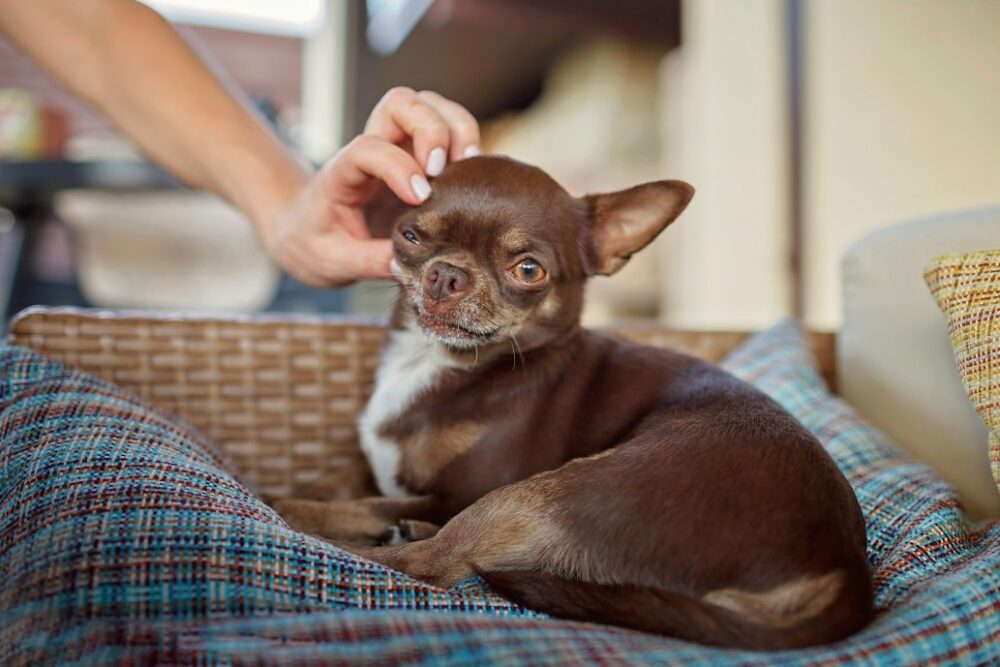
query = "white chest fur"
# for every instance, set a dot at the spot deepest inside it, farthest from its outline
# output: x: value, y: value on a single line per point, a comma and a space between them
x: 411, y: 363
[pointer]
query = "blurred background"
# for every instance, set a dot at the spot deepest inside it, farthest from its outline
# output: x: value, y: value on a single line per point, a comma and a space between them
x: 802, y: 123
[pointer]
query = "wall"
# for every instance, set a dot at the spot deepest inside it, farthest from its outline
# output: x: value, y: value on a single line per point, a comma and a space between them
x: 726, y: 260
x: 902, y: 120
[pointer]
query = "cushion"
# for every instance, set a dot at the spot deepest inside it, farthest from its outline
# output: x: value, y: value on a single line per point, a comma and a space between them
x: 127, y: 539
x: 894, y: 361
x: 967, y: 288
x: 111, y: 511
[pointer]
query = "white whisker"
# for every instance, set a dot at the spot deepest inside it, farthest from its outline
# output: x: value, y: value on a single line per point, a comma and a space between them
x: 518, y: 346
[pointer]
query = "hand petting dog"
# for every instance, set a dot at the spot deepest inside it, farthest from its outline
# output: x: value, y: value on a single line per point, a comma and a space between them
x: 319, y: 233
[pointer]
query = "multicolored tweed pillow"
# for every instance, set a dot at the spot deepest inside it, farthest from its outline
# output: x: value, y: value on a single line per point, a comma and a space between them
x: 125, y: 540
x: 110, y: 510
x: 967, y: 288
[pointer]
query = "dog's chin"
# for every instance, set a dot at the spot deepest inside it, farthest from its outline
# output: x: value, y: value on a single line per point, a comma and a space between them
x: 453, y: 335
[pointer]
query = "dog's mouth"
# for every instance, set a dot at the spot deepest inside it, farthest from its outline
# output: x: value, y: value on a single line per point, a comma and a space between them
x: 451, y: 331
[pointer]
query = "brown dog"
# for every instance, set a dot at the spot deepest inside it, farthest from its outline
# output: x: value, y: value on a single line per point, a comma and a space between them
x: 579, y: 474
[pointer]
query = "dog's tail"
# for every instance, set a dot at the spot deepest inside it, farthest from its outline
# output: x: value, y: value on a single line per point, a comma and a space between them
x: 805, y: 612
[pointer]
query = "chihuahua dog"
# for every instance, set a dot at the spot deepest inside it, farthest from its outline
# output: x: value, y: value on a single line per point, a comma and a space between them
x: 579, y: 474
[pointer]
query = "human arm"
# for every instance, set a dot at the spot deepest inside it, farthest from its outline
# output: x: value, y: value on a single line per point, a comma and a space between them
x: 129, y: 63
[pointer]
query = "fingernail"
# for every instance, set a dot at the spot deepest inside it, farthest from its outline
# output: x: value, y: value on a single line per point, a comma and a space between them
x: 435, y: 162
x: 420, y: 186
x: 394, y: 268
x: 471, y: 150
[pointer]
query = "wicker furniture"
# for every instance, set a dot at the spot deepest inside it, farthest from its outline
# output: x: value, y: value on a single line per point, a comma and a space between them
x: 279, y: 395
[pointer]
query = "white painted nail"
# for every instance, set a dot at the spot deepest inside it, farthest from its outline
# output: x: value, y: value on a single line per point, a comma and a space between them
x: 435, y: 162
x: 420, y: 186
x: 471, y: 150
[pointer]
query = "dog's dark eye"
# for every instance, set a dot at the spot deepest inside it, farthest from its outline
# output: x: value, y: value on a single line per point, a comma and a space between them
x: 528, y: 271
x: 410, y: 236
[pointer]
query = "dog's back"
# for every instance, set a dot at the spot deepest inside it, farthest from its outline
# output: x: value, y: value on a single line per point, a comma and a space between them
x: 716, y: 516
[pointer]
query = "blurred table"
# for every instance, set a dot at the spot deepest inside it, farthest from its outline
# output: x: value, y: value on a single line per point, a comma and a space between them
x: 28, y: 189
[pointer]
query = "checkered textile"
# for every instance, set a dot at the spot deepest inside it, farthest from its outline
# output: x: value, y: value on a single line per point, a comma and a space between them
x: 967, y: 288
x: 126, y: 540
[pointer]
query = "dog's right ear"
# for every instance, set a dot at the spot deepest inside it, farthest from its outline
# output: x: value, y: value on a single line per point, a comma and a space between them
x: 623, y: 223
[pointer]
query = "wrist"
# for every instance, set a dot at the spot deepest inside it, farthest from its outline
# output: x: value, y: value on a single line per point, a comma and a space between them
x: 264, y: 189
x: 279, y: 193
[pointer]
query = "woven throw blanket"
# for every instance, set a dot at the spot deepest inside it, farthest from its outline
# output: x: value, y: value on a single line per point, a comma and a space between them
x: 126, y: 539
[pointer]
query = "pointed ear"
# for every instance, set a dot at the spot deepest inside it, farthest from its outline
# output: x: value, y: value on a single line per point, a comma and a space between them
x: 624, y: 222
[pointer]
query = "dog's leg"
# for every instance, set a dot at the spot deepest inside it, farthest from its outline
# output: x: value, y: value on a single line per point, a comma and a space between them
x: 346, y: 483
x: 512, y: 528
x: 368, y: 521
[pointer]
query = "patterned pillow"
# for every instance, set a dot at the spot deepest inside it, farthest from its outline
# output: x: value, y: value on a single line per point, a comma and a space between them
x: 110, y: 510
x: 967, y: 288
x: 124, y: 539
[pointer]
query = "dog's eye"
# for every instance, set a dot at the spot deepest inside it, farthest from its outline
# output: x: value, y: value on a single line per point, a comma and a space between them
x: 528, y: 271
x: 410, y: 236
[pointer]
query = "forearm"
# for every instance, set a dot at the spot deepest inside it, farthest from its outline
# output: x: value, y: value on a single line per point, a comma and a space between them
x: 132, y: 65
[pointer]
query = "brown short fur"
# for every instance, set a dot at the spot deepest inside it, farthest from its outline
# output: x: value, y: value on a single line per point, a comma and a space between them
x: 582, y: 475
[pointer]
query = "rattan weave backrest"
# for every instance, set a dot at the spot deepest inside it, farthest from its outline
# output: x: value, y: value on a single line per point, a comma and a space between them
x: 279, y: 395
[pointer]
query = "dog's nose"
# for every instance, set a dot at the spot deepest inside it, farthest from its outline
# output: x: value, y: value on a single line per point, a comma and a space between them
x: 444, y: 280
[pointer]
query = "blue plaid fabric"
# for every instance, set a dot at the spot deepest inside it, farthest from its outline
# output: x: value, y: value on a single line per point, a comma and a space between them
x: 126, y: 539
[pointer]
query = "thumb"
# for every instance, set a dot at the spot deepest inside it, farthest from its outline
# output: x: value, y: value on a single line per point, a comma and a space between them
x: 367, y: 259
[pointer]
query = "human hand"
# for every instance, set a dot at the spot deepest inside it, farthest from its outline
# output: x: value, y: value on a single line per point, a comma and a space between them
x: 320, y: 235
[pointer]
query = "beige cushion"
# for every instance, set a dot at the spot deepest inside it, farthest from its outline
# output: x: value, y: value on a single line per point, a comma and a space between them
x: 894, y: 361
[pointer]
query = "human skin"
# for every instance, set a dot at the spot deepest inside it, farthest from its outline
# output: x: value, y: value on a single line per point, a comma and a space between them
x: 128, y: 62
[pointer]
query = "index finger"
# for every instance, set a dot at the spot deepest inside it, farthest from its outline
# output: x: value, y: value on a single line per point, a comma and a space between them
x: 402, y: 115
x: 348, y: 176
x: 462, y: 124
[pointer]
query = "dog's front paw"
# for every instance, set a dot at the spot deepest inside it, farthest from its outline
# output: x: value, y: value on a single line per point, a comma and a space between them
x: 393, y: 537
x: 408, y: 530
x: 339, y: 521
x: 413, y: 531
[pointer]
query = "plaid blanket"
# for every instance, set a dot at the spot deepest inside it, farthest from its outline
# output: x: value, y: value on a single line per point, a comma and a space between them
x: 127, y: 539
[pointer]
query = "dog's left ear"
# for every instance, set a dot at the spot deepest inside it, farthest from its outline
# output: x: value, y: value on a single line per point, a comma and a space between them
x: 623, y: 223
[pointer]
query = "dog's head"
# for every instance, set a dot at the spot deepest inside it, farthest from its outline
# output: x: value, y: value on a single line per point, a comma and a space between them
x: 500, y: 251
